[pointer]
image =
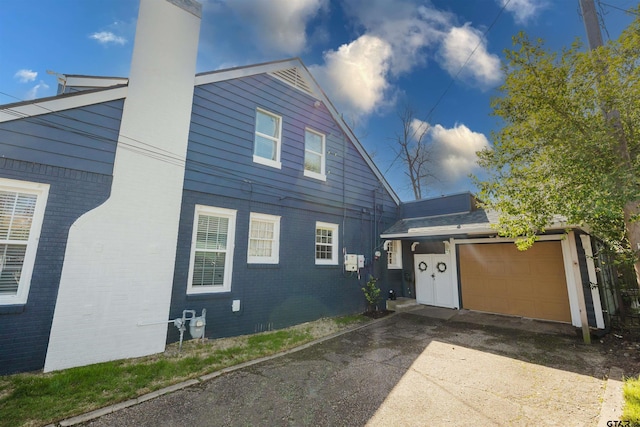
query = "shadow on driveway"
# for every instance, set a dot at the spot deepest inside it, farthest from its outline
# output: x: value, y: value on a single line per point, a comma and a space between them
x: 410, y: 369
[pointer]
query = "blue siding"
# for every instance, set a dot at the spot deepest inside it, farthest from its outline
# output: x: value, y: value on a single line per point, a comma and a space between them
x: 275, y: 296
x: 220, y: 154
x: 455, y: 203
x: 74, y: 151
x: 80, y: 139
x: 220, y: 172
x: 24, y: 329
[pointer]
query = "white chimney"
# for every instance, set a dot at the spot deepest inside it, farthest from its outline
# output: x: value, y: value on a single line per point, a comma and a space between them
x: 117, y: 276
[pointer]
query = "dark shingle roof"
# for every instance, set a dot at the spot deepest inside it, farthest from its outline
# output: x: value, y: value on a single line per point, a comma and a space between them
x: 478, y: 221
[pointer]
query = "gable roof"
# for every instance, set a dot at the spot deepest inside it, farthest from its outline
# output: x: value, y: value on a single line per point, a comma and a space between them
x: 93, y: 90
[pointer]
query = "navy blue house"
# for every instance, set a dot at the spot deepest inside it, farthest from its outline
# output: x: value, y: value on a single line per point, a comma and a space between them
x: 125, y: 201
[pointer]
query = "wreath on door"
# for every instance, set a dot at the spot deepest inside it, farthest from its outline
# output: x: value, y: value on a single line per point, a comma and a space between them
x: 422, y: 266
x: 441, y: 267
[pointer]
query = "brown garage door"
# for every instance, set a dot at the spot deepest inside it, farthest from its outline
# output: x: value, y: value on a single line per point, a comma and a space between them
x: 497, y: 278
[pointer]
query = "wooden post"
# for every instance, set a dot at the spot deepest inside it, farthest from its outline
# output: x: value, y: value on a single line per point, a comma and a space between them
x: 573, y: 250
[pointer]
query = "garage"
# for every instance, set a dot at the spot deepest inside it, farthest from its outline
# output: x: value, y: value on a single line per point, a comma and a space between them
x: 498, y: 278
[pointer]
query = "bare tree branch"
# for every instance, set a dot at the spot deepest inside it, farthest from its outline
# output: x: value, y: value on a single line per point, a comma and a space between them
x: 414, y: 149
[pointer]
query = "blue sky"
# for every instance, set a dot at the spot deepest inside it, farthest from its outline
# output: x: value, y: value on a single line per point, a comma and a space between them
x: 371, y: 57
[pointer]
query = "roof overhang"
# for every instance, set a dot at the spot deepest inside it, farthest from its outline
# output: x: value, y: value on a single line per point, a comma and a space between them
x: 469, y: 230
x: 54, y: 104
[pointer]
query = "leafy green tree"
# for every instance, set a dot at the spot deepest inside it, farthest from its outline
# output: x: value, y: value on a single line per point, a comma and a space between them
x: 570, y: 144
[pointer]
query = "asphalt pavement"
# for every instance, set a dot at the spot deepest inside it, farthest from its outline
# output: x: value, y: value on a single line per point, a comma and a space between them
x: 427, y: 367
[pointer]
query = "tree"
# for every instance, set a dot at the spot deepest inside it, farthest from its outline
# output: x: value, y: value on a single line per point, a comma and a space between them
x: 570, y: 144
x: 413, y: 149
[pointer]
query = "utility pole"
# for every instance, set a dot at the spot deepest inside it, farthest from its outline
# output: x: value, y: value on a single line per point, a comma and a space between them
x: 594, y: 38
x: 591, y: 24
x: 631, y: 208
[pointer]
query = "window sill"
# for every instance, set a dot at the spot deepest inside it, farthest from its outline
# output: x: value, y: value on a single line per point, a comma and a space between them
x: 267, y: 162
x: 314, y: 175
x: 208, y: 292
x: 327, y: 265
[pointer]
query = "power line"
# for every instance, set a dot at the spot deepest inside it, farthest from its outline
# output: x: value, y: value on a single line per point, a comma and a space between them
x: 453, y: 79
x: 629, y: 11
x: 150, y: 151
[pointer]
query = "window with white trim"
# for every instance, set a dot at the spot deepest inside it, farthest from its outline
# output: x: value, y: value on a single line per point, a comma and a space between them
x: 22, y: 206
x: 394, y: 254
x: 264, y: 239
x: 314, y: 155
x: 212, y: 244
x: 326, y: 243
x: 267, y: 143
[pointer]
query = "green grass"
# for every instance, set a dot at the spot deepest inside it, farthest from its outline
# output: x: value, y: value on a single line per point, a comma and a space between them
x: 348, y: 320
x: 631, y: 411
x: 35, y: 399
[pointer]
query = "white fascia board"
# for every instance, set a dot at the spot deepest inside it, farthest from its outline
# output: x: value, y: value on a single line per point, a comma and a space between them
x: 95, y: 81
x: 318, y: 93
x: 440, y: 231
x: 56, y: 104
x: 248, y: 70
x: 470, y: 229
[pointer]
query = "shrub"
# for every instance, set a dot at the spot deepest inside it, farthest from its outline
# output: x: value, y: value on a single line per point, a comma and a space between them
x: 372, y: 293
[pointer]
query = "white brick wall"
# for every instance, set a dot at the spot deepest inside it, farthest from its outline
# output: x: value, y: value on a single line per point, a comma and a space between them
x: 118, y: 268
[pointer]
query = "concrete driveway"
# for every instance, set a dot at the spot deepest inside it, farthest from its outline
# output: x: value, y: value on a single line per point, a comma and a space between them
x: 428, y: 367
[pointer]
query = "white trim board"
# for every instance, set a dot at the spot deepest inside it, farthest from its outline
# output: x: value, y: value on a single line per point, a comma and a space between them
x: 62, y: 103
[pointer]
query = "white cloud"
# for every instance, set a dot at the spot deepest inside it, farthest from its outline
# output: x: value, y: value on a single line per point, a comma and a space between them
x: 26, y: 76
x: 407, y: 27
x: 33, y: 92
x: 523, y: 10
x: 356, y: 74
x: 107, y: 37
x: 464, y: 54
x: 456, y: 149
x: 280, y: 25
x: 398, y: 37
x: 454, y: 153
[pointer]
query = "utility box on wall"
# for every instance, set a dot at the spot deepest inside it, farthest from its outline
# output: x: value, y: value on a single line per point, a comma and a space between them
x: 353, y: 262
x: 350, y: 262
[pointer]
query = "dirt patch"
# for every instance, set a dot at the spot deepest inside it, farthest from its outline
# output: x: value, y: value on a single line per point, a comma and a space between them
x: 622, y: 350
x: 377, y: 314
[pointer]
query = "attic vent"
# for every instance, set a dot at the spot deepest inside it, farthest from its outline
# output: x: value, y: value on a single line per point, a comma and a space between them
x: 293, y: 77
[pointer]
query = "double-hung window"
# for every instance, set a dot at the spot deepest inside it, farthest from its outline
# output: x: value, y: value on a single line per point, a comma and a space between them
x: 314, y: 155
x: 394, y: 254
x: 326, y: 243
x: 212, y: 244
x: 268, y: 139
x: 264, y: 239
x: 22, y: 206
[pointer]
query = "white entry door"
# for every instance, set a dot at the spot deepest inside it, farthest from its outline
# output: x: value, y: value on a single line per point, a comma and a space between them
x: 433, y: 280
